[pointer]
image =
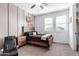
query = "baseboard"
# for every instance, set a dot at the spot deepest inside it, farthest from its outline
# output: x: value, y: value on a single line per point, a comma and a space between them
x: 61, y: 43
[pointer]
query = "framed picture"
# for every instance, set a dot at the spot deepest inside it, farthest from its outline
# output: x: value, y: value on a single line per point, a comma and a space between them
x: 28, y: 19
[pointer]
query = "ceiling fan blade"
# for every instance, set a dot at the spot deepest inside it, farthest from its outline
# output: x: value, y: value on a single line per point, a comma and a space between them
x: 45, y: 4
x: 33, y: 6
x: 41, y: 7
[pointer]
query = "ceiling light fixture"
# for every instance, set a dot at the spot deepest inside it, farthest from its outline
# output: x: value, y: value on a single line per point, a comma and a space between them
x: 38, y: 4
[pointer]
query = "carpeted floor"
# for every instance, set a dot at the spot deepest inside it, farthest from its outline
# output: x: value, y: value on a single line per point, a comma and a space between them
x: 55, y: 50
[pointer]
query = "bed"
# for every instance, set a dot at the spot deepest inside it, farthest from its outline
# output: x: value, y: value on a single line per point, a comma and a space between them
x: 44, y: 40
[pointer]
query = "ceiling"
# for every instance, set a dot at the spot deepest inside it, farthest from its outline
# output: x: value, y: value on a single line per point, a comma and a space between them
x: 51, y: 7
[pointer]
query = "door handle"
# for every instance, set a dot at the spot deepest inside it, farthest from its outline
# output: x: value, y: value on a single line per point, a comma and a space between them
x: 76, y: 33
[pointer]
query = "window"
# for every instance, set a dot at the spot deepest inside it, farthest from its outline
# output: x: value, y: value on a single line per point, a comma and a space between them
x: 60, y: 23
x: 48, y: 24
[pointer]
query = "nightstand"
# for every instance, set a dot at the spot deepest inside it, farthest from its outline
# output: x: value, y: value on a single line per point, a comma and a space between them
x: 21, y: 40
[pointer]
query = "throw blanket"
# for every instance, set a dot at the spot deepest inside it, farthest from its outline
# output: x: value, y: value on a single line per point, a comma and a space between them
x: 44, y: 37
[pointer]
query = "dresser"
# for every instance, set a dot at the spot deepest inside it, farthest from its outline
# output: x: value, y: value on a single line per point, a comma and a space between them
x: 21, y: 40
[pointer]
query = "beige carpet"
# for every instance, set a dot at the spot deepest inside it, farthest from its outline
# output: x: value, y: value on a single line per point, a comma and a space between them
x: 55, y: 50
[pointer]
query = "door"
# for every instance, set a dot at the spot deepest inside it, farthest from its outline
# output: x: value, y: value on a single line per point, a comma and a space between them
x: 77, y: 34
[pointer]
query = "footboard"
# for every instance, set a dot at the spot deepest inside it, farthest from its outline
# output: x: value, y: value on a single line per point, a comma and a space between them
x: 37, y: 40
x: 50, y: 40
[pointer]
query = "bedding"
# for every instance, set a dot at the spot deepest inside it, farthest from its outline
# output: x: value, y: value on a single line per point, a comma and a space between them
x: 44, y: 40
x: 44, y: 37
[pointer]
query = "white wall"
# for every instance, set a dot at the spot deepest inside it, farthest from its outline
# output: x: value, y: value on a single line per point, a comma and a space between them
x: 20, y: 21
x: 12, y: 20
x: 58, y: 36
x: 17, y: 19
x: 14, y: 17
x: 3, y: 23
x: 24, y: 16
x: 3, y: 20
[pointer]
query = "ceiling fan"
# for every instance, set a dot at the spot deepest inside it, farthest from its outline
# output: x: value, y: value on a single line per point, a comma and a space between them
x: 41, y: 5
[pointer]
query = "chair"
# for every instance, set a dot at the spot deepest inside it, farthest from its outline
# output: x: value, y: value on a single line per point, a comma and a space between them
x: 10, y: 48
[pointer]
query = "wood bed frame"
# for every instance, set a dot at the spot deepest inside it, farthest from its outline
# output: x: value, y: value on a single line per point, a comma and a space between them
x: 37, y: 40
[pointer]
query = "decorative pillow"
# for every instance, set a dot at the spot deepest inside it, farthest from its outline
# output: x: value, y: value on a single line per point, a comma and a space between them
x: 34, y: 33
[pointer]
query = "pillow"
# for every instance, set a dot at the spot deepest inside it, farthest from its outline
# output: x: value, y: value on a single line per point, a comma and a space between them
x: 26, y: 33
x: 34, y: 33
x: 30, y: 33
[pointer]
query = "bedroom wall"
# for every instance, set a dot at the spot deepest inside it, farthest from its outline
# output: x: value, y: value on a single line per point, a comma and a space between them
x: 12, y: 18
x: 20, y: 21
x: 39, y: 26
x: 3, y: 22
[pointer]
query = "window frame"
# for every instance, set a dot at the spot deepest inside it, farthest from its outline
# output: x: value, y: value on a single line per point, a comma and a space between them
x: 50, y: 24
x: 54, y: 29
x: 61, y: 23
